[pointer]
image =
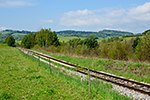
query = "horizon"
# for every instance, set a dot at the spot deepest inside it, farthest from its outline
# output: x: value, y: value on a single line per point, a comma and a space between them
x: 71, y: 30
x: 130, y: 16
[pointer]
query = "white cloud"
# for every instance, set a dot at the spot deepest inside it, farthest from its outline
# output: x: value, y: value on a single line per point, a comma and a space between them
x: 15, y: 3
x: 127, y: 19
x: 46, y: 21
x: 78, y: 18
x: 3, y: 28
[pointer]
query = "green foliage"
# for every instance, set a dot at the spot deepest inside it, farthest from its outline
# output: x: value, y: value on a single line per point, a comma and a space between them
x: 5, y: 95
x: 89, y: 42
x: 104, y: 50
x: 20, y: 79
x: 10, y: 40
x: 75, y: 42
x: 133, y: 70
x: 145, y: 32
x: 135, y: 43
x: 43, y: 38
x: 28, y: 41
x: 111, y: 39
x: 118, y: 51
x: 134, y: 35
x: 143, y: 48
x: 78, y: 49
x: 85, y: 34
x: 111, y: 48
x: 18, y: 35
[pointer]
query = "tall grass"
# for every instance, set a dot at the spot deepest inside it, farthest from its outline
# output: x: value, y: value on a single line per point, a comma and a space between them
x: 131, y: 70
x: 20, y: 79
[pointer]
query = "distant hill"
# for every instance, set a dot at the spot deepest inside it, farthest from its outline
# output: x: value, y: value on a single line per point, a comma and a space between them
x: 145, y: 32
x: 18, y: 35
x: 102, y: 34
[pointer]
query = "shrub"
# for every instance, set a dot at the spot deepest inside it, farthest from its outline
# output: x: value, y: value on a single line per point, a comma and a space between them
x: 78, y: 49
x: 10, y: 41
x: 104, y: 50
x: 143, y: 48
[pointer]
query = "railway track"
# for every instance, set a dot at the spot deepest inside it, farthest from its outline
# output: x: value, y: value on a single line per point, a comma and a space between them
x: 128, y: 83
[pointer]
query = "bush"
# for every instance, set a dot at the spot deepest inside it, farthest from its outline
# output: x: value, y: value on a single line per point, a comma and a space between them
x: 78, y: 49
x: 135, y: 43
x: 143, y: 48
x: 104, y: 50
x: 84, y: 50
x: 10, y: 41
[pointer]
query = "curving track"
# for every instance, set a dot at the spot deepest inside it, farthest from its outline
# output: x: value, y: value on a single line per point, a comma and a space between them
x: 128, y: 83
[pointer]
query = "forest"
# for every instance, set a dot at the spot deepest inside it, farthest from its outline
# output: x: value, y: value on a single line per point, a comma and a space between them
x: 135, y: 49
x: 19, y: 34
x: 86, y: 34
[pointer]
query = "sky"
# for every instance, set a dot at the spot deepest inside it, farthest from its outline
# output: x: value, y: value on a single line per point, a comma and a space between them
x: 81, y: 15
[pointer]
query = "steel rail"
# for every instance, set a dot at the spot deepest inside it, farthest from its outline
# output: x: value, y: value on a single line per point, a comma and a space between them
x: 131, y: 84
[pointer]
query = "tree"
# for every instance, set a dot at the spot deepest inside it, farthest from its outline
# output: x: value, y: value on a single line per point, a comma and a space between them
x: 135, y: 43
x: 43, y: 38
x: 91, y: 43
x: 28, y: 41
x: 10, y: 40
x: 143, y: 48
x: 55, y: 39
x: 144, y: 33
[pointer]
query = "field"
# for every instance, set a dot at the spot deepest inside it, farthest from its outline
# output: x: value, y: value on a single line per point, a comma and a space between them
x: 4, y: 32
x: 62, y: 38
x: 67, y: 38
x: 22, y: 34
x: 20, y: 79
x: 131, y: 70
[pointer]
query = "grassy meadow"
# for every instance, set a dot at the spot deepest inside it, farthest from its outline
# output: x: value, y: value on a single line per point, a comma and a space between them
x: 4, y: 32
x: 20, y: 79
x: 67, y: 38
x: 131, y: 70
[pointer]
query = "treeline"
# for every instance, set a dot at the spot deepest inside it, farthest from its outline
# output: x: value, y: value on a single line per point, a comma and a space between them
x: 102, y: 34
x: 17, y: 31
x: 136, y: 35
x: 43, y: 38
x: 136, y: 49
x: 18, y: 35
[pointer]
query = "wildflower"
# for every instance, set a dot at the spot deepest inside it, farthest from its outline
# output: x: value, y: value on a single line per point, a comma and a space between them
x: 44, y: 91
x: 69, y: 89
x: 58, y: 92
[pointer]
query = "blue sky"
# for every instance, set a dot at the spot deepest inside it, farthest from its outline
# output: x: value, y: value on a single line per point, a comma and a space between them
x: 84, y: 15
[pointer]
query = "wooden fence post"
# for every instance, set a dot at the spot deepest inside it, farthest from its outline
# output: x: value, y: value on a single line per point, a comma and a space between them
x: 39, y: 63
x: 28, y: 54
x: 49, y: 66
x: 89, y: 82
x: 32, y: 56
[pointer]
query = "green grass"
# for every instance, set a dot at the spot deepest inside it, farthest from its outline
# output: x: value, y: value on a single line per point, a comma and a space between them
x: 18, y: 42
x: 131, y: 70
x: 62, y: 38
x: 16, y: 34
x: 20, y: 79
x: 4, y: 32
